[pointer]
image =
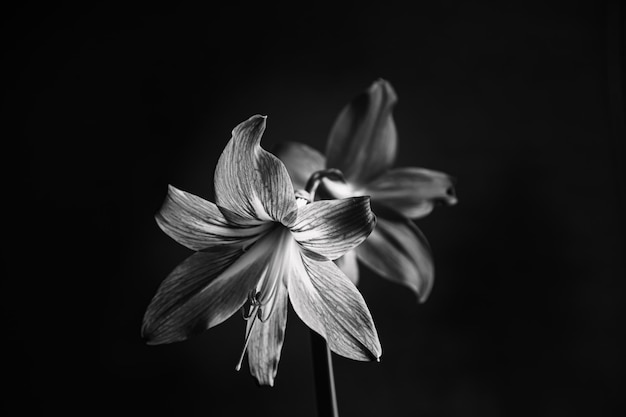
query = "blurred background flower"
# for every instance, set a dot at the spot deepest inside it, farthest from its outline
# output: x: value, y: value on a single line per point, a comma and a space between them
x: 362, y: 144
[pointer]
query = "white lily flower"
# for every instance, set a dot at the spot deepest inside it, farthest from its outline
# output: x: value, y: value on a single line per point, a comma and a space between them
x: 257, y: 247
x: 363, y: 146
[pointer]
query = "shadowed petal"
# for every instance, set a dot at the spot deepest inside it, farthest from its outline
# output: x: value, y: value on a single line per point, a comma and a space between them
x: 398, y: 251
x: 348, y: 265
x: 363, y: 140
x: 327, y: 302
x: 330, y: 228
x: 301, y: 161
x: 249, y: 181
x: 412, y: 192
x: 266, y: 340
x: 199, y: 224
x: 203, y: 291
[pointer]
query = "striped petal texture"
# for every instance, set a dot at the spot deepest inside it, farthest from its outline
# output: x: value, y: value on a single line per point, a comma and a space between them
x: 199, y: 224
x: 329, y: 303
x: 251, y: 182
x: 330, y: 228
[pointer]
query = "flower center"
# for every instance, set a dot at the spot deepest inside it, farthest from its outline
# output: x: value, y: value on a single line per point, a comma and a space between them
x: 279, y: 246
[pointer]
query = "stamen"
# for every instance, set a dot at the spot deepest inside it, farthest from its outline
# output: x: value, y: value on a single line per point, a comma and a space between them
x: 248, y: 332
x: 266, y: 309
x: 250, y: 305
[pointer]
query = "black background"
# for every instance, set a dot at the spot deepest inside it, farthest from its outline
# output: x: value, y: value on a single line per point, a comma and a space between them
x: 520, y: 101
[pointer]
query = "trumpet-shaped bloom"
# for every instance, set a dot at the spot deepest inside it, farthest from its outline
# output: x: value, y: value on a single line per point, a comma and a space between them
x: 363, y: 145
x: 257, y: 247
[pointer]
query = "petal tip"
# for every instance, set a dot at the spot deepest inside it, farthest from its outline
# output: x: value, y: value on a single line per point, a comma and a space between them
x: 254, y: 123
x: 148, y: 336
x: 384, y: 87
x: 425, y: 293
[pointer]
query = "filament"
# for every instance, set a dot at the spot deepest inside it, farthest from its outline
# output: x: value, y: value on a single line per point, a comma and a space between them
x: 252, y: 315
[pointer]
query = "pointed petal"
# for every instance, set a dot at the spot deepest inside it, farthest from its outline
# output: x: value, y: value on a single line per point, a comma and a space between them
x: 413, y: 192
x: 249, y: 181
x: 348, y: 265
x: 330, y: 228
x: 327, y: 302
x: 203, y: 291
x: 301, y: 161
x: 362, y: 142
x: 199, y: 224
x: 397, y: 250
x: 266, y: 340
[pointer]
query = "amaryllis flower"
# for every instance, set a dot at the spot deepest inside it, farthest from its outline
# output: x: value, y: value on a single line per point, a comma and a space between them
x: 363, y: 145
x: 256, y: 248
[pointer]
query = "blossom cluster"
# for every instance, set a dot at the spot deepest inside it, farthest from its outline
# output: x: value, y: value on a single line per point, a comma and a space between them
x: 290, y: 227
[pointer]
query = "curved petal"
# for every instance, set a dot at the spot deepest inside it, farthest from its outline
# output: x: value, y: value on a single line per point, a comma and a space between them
x: 330, y: 228
x: 397, y: 250
x: 249, y: 181
x: 363, y: 140
x: 348, y: 265
x: 266, y: 340
x: 199, y: 224
x: 300, y: 160
x: 327, y: 302
x: 412, y: 192
x: 203, y: 291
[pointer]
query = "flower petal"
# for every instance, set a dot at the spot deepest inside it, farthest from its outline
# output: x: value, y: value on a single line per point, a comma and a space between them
x: 348, y: 265
x: 330, y: 228
x: 249, y: 181
x: 203, y: 291
x: 397, y: 250
x: 412, y: 192
x: 301, y: 161
x: 266, y: 340
x: 327, y: 302
x: 199, y: 224
x: 363, y: 140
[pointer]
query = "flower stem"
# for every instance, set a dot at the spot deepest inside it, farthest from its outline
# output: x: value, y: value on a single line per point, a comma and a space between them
x: 322, y: 359
x: 324, y: 377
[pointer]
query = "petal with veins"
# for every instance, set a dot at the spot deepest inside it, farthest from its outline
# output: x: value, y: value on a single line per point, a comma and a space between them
x: 330, y: 228
x: 398, y: 251
x: 199, y: 224
x: 363, y: 140
x: 204, y: 290
x: 411, y: 192
x: 266, y: 340
x: 300, y: 160
x: 326, y: 300
x: 249, y: 181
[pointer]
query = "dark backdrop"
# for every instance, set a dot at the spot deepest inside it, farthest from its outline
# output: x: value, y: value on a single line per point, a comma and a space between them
x: 520, y: 101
